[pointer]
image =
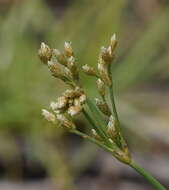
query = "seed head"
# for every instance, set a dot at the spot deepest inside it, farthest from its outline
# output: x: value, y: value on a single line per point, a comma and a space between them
x: 59, y: 106
x: 82, y: 99
x: 67, y: 72
x: 111, y: 127
x: 60, y: 57
x: 48, y: 116
x: 113, y: 38
x: 103, y: 107
x: 74, y: 110
x: 55, y: 69
x: 73, y: 67
x: 101, y: 87
x: 59, y: 71
x: 102, y: 68
x: 69, y: 93
x: 111, y: 123
x: 68, y: 49
x: 45, y: 53
x: 54, y: 105
x: 68, y: 124
x: 76, y: 102
x: 105, y: 55
x: 113, y: 43
x: 89, y: 70
x: 71, y: 102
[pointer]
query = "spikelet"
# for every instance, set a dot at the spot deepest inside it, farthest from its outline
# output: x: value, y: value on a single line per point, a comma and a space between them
x: 74, y: 110
x: 48, y: 115
x: 111, y: 131
x: 45, y: 53
x: 65, y: 122
x: 54, y: 106
x: 101, y: 87
x: 61, y: 102
x: 82, y: 99
x: 103, y: 71
x: 55, y: 69
x: 68, y: 49
x: 71, y: 64
x: 61, y: 72
x: 60, y: 57
x: 89, y: 70
x: 103, y: 107
x: 105, y: 55
x: 113, y: 43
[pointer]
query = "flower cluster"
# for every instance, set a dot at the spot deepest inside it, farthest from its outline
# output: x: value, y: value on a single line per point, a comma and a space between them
x: 62, y: 65
x: 103, y: 121
x: 104, y: 131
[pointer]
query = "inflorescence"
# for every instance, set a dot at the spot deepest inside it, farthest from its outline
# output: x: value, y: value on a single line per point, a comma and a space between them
x: 103, y: 120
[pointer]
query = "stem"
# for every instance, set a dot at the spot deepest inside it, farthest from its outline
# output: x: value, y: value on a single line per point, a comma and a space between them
x: 113, y: 104
x: 117, y: 125
x: 147, y: 176
x: 98, y: 117
x: 97, y: 128
x: 140, y: 170
x: 100, y: 144
x: 111, y: 93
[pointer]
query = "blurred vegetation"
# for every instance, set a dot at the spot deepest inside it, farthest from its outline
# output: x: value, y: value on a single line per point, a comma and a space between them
x: 141, y: 70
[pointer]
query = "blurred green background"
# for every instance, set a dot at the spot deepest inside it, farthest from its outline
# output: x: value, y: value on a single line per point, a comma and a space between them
x: 36, y: 155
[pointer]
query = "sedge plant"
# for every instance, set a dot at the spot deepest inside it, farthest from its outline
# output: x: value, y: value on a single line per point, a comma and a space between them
x: 103, y: 121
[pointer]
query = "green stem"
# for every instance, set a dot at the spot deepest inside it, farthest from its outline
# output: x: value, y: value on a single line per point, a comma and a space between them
x: 147, y: 176
x: 117, y: 125
x: 92, y: 107
x: 113, y: 103
x: 140, y: 170
x: 111, y: 93
x: 106, y: 148
x: 97, y: 128
x: 111, y: 150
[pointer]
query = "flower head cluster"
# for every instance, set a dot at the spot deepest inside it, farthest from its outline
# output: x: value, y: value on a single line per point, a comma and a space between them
x: 105, y: 131
x: 71, y: 102
x: 62, y: 65
x: 103, y: 122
